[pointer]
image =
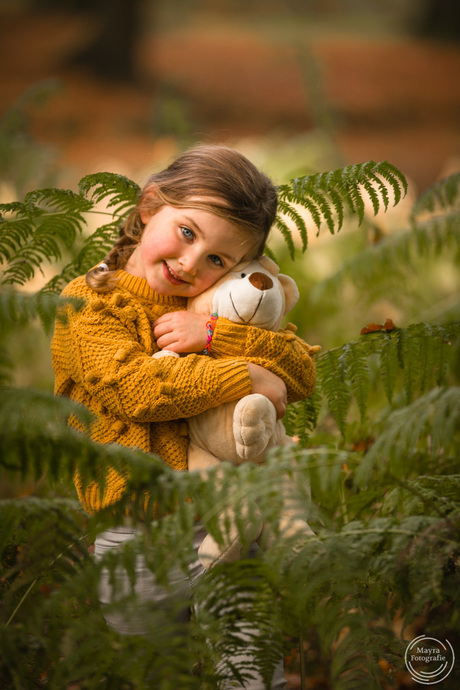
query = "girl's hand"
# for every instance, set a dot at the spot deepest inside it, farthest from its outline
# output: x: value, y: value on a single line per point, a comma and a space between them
x: 181, y: 331
x: 270, y: 385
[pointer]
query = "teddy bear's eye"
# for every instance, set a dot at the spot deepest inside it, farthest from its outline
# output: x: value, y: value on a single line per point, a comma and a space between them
x: 243, y: 275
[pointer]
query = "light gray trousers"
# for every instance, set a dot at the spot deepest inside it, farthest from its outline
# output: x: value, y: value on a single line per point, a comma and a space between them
x: 129, y: 622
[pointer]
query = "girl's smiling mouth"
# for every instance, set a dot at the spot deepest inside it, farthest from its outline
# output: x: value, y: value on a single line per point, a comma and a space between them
x: 170, y: 276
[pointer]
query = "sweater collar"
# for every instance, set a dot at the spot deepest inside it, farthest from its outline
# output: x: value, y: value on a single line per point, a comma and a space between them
x: 141, y: 288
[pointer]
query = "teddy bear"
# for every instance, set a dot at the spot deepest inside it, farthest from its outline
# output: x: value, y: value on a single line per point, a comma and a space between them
x: 259, y: 295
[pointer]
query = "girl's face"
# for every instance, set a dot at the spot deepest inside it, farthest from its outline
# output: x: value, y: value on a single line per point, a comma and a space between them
x: 183, y: 251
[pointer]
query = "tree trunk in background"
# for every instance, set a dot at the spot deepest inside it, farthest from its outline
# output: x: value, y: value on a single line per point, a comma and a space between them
x: 112, y: 53
x: 440, y: 19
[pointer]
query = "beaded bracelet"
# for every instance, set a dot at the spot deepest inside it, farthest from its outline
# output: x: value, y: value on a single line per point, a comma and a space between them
x: 210, y: 326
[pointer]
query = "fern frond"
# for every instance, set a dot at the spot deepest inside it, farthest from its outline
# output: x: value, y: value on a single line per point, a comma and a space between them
x: 417, y: 352
x: 15, y: 233
x: 333, y: 385
x: 19, y: 308
x: 286, y: 234
x: 388, y: 365
x: 434, y: 416
x: 47, y: 222
x: 32, y: 426
x: 301, y: 418
x: 94, y: 249
x: 25, y: 521
x: 241, y: 603
x: 57, y: 200
x: 353, y: 362
x: 436, y: 495
x: 441, y: 195
x: 121, y: 192
x: 324, y: 193
x: 422, y: 354
x: 395, y: 254
x: 295, y: 216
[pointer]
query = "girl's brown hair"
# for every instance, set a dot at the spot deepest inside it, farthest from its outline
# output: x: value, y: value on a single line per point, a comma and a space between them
x: 229, y: 185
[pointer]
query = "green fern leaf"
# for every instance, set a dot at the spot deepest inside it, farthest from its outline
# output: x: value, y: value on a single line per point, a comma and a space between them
x: 394, y: 255
x: 443, y: 195
x: 92, y: 252
x: 121, y: 192
x: 268, y: 252
x: 436, y: 495
x: 389, y: 365
x: 353, y: 365
x: 435, y: 414
x: 287, y: 235
x: 19, y: 308
x: 32, y: 423
x: 334, y: 387
x: 395, y: 178
x: 301, y: 418
x: 374, y: 197
x: 299, y: 222
x: 326, y: 194
x: 417, y: 352
x: 47, y: 222
x: 58, y: 200
x: 13, y: 235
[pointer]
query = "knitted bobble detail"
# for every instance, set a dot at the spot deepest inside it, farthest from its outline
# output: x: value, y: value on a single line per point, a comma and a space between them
x: 117, y: 300
x: 97, y: 305
x: 91, y: 377
x: 118, y: 427
x: 121, y: 354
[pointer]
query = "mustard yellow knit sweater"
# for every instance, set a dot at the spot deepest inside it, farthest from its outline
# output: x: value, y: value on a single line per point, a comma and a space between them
x: 102, y: 359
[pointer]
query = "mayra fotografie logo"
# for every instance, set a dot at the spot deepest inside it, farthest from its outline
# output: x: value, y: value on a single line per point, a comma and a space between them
x: 429, y: 660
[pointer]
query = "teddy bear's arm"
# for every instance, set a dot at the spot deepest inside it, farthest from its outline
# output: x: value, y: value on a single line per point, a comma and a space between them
x: 283, y: 353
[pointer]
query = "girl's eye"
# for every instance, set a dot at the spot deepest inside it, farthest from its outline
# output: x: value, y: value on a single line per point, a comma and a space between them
x: 187, y: 233
x: 216, y: 259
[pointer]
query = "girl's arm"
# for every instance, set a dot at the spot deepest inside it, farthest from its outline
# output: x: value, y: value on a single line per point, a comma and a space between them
x: 102, y: 353
x: 282, y: 353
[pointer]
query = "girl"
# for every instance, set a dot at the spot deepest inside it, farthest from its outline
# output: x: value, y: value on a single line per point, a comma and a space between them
x: 208, y: 211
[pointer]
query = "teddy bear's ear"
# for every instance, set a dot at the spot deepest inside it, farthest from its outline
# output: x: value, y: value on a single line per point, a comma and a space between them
x: 291, y: 292
x: 269, y: 265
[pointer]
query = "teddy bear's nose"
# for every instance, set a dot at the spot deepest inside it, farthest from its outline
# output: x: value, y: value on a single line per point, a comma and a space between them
x: 261, y: 281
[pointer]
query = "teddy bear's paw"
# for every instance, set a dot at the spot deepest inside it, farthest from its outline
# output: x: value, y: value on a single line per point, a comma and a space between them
x: 164, y: 353
x: 294, y: 529
x: 254, y: 423
x: 210, y: 552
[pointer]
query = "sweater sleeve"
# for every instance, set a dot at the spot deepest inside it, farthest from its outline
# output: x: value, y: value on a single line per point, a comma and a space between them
x: 282, y: 352
x: 98, y: 349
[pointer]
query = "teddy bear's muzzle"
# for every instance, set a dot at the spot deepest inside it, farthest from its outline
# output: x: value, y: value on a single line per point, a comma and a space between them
x: 261, y: 281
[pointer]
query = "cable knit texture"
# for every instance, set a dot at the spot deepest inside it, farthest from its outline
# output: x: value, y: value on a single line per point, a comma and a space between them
x: 102, y: 359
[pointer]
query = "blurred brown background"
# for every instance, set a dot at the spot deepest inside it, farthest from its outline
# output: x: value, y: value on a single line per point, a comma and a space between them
x: 299, y: 85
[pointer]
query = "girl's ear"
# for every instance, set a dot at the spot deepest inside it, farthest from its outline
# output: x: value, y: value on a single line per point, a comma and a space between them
x: 145, y: 216
x: 147, y: 204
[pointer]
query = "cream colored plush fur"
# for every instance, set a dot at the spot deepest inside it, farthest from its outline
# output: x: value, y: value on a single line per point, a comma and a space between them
x: 259, y: 295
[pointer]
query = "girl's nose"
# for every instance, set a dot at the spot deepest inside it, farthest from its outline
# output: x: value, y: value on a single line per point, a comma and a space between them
x: 188, y: 263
